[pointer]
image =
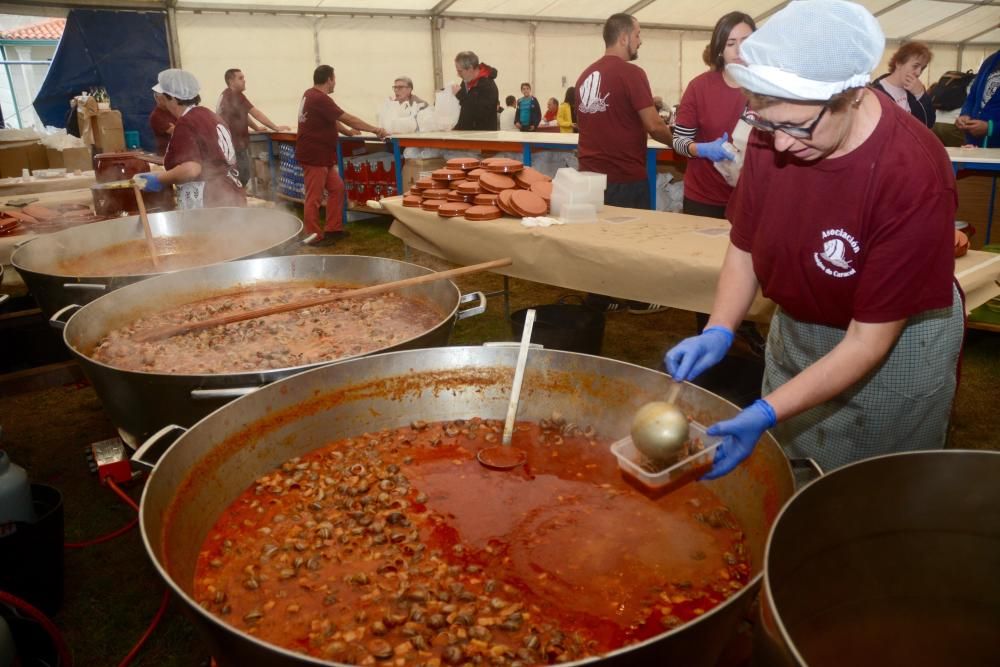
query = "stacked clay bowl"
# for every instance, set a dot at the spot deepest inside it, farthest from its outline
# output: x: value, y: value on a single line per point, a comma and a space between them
x: 482, y: 190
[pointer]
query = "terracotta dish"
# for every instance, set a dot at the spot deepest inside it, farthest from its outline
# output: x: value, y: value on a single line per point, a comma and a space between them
x: 412, y: 201
x: 543, y: 189
x: 527, y: 204
x: 469, y: 187
x: 475, y: 174
x: 496, y: 182
x: 502, y: 165
x: 453, y: 209
x: 486, y: 199
x: 424, y: 183
x: 458, y: 196
x: 528, y: 176
x: 432, y: 204
x: 435, y: 193
x: 465, y: 163
x: 482, y: 213
x: 448, y: 175
x: 503, y: 202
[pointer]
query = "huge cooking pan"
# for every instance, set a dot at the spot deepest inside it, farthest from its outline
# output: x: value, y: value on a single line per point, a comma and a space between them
x: 888, y: 561
x: 204, y: 470
x: 140, y: 403
x: 233, y: 233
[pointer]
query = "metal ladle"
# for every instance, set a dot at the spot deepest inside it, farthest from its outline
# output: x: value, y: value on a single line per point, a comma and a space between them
x: 505, y: 456
x: 660, y: 429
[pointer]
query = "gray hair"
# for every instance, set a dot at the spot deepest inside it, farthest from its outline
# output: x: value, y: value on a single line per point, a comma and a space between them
x: 467, y: 60
x: 405, y: 79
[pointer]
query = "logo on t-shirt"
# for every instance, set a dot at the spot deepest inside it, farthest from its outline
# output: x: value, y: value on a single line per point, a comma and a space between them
x: 590, y: 95
x: 839, y: 251
x: 302, y: 110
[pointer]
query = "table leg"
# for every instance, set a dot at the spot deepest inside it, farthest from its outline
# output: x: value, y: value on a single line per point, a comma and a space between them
x: 397, y: 159
x: 526, y: 155
x: 651, y: 176
x: 989, y: 215
x: 272, y: 191
x: 340, y: 170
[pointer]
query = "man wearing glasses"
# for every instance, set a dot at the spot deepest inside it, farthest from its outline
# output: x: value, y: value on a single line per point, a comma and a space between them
x: 402, y: 92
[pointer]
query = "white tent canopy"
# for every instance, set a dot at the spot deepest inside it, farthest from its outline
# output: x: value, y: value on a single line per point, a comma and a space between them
x: 278, y: 43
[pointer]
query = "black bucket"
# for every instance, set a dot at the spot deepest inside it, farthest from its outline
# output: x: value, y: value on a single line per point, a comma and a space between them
x: 570, y: 327
x: 31, y: 557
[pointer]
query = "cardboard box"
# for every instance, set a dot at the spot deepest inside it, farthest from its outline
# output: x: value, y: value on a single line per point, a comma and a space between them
x: 413, y: 168
x: 70, y: 158
x: 20, y: 155
x: 109, y: 134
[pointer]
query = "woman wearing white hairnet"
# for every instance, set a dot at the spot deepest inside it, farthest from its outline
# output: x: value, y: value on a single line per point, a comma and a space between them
x: 843, y: 216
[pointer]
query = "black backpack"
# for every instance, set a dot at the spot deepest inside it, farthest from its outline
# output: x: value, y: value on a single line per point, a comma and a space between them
x: 950, y: 90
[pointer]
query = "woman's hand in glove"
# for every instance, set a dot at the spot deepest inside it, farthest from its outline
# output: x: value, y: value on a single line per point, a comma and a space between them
x: 693, y: 356
x: 148, y: 181
x: 713, y: 150
x: 740, y: 436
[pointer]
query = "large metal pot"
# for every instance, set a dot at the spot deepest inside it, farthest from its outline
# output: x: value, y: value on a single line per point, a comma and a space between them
x: 204, y: 470
x: 889, y: 561
x: 140, y: 403
x: 236, y: 233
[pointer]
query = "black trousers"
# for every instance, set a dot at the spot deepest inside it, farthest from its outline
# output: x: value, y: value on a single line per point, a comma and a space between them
x: 634, y: 194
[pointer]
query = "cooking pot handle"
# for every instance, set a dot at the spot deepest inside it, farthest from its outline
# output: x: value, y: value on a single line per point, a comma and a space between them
x: 4, y: 297
x: 229, y: 392
x: 56, y: 321
x: 151, y: 442
x: 805, y: 471
x: 478, y: 309
x: 309, y: 239
x: 21, y: 244
x: 93, y: 286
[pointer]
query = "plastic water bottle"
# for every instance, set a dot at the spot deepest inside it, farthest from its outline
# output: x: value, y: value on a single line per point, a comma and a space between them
x: 15, y: 495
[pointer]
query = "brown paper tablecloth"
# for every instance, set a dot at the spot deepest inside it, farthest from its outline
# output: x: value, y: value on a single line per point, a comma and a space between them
x: 656, y: 257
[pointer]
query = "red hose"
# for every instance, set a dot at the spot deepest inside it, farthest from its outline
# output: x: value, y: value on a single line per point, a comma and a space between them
x: 127, y: 660
x: 112, y: 535
x: 65, y: 658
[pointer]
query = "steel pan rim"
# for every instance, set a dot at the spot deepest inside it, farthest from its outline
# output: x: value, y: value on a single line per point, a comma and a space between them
x: 303, y: 658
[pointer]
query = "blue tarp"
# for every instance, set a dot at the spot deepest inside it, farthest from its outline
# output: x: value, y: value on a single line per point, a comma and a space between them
x: 122, y: 51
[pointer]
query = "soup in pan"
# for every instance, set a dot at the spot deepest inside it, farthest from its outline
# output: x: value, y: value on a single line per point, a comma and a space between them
x: 300, y: 337
x: 399, y: 548
x: 132, y: 257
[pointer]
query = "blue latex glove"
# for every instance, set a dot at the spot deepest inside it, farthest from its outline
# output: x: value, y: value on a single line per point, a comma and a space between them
x: 148, y: 181
x: 713, y: 150
x: 693, y: 356
x: 740, y: 436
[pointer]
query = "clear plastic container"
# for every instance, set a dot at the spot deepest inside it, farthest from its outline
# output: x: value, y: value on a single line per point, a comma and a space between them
x: 571, y: 213
x: 657, y: 478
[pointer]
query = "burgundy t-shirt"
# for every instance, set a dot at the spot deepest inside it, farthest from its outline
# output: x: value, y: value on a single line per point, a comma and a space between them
x: 317, y: 141
x: 234, y: 107
x: 867, y: 236
x: 201, y: 136
x: 713, y: 108
x: 609, y: 95
x: 160, y: 121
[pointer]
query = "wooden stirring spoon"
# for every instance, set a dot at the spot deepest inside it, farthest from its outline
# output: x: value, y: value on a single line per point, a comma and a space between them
x: 150, y: 243
x: 160, y: 333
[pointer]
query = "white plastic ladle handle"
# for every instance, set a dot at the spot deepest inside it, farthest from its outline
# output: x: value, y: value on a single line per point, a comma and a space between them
x: 515, y: 392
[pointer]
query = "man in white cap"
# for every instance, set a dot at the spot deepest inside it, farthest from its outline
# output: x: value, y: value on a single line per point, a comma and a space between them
x: 200, y: 158
x: 843, y: 216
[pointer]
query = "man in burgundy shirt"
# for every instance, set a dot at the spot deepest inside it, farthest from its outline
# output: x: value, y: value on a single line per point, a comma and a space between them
x: 200, y: 159
x: 236, y: 110
x: 615, y: 112
x: 161, y: 122
x: 316, y: 151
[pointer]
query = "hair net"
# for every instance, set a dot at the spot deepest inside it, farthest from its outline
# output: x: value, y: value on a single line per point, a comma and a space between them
x: 177, y: 83
x: 810, y: 50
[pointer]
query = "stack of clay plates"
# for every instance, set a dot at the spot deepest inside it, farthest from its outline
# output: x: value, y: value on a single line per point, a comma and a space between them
x: 482, y: 190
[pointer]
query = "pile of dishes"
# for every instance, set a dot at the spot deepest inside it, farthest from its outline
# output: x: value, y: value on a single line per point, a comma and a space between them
x: 482, y: 190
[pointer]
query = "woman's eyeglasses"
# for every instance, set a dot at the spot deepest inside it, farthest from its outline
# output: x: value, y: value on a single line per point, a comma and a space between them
x: 751, y: 118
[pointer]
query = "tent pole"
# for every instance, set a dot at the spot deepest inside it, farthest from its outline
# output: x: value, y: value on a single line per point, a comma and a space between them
x: 316, y: 22
x: 532, y: 27
x: 173, y: 39
x: 436, y: 54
